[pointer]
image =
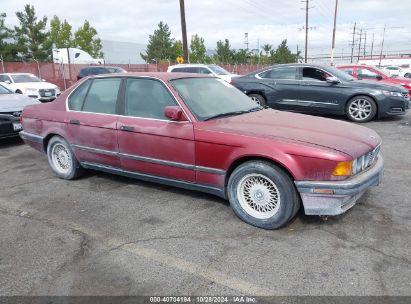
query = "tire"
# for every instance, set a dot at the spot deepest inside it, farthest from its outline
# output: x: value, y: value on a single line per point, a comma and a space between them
x: 258, y: 99
x: 262, y: 194
x: 62, y: 159
x: 19, y: 92
x: 407, y: 75
x: 361, y: 109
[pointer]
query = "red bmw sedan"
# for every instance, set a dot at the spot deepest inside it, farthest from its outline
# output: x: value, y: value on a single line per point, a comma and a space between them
x: 200, y: 133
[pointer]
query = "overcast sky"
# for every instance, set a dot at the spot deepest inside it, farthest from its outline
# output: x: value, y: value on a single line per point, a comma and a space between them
x: 266, y: 21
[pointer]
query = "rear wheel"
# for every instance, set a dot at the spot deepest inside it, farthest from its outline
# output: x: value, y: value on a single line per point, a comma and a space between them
x: 258, y: 99
x: 361, y: 109
x: 262, y: 194
x: 19, y: 92
x: 62, y: 159
x: 407, y: 75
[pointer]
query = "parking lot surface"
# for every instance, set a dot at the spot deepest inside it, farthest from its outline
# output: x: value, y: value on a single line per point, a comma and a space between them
x: 108, y: 235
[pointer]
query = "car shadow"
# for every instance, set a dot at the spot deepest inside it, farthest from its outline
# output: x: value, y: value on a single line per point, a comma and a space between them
x: 11, y: 142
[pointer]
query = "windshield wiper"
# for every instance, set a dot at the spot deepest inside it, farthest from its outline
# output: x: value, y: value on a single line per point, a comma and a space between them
x: 234, y: 113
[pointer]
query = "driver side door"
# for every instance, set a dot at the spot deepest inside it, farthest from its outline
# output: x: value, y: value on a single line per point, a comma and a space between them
x: 150, y: 143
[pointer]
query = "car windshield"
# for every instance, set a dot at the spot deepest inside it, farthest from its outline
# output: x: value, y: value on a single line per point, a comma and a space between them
x: 341, y: 75
x: 4, y: 90
x: 25, y: 78
x: 218, y: 70
x: 210, y: 98
x: 116, y: 70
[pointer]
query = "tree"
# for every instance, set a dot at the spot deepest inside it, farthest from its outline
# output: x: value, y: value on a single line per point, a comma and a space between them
x: 198, y: 52
x: 177, y: 50
x: 241, y: 56
x: 60, y: 33
x: 31, y: 35
x: 283, y: 54
x: 267, y: 48
x: 224, y: 54
x: 160, y: 45
x: 86, y: 39
x: 8, y: 51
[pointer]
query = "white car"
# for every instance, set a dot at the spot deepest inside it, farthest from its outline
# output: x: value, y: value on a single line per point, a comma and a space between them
x: 405, y: 73
x: 207, y: 69
x: 30, y: 85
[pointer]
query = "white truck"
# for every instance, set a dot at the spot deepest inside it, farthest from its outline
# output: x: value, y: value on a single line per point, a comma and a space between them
x: 74, y: 55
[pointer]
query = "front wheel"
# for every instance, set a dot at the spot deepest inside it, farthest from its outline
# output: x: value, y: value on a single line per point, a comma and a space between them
x: 62, y: 159
x: 262, y: 195
x: 361, y: 109
x: 407, y: 75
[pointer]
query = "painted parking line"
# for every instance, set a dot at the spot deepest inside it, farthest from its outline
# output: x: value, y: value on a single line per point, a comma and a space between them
x: 170, y: 261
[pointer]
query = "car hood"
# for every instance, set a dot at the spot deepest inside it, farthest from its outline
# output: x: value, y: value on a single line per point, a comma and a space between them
x: 15, y: 102
x: 375, y: 85
x: 345, y: 137
x: 37, y: 85
x: 398, y: 80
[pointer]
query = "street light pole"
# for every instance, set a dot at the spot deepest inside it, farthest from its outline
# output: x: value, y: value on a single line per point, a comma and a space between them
x: 382, y: 44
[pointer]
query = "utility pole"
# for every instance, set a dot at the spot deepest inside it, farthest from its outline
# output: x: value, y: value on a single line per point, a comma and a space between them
x: 184, y: 30
x: 246, y: 41
x: 365, y: 42
x: 382, y: 44
x: 353, y: 40
x: 333, y: 42
x: 306, y: 31
x: 359, y: 45
x: 372, y: 44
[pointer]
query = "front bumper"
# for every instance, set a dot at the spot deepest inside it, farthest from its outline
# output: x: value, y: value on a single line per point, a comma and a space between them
x: 344, y: 193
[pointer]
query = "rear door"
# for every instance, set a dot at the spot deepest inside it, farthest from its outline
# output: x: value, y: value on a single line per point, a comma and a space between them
x: 281, y: 87
x: 149, y: 143
x: 92, y: 121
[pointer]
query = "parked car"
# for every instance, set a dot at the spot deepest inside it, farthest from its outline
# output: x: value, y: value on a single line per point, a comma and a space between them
x: 392, y: 71
x: 97, y: 70
x: 405, y: 72
x: 200, y: 133
x: 30, y: 85
x: 11, y: 105
x: 318, y: 89
x: 365, y: 72
x: 206, y: 69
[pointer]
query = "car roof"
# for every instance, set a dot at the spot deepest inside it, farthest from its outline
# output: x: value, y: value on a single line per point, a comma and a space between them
x: 309, y: 65
x: 160, y: 75
x: 102, y: 66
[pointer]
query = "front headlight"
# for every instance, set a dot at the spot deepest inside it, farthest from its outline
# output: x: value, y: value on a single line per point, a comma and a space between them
x: 343, y: 169
x: 392, y: 94
x: 30, y: 89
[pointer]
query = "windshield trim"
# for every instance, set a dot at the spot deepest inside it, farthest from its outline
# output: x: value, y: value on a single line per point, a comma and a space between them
x: 8, y: 91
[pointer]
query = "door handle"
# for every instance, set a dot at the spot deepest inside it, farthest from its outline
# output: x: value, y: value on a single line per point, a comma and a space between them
x: 74, y: 121
x: 127, y: 128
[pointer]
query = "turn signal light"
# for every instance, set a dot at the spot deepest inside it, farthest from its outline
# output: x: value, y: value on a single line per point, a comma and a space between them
x: 343, y: 169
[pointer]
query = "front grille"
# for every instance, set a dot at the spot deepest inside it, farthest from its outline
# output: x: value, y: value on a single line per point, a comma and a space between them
x: 47, y: 92
x: 14, y: 113
x: 366, y: 160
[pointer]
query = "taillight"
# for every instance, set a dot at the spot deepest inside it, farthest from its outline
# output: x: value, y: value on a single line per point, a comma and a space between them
x: 231, y: 81
x: 21, y: 118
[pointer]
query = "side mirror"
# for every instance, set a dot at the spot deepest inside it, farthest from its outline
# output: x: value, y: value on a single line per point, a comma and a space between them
x: 378, y: 77
x: 174, y: 113
x: 44, y: 80
x: 332, y: 80
x: 7, y: 81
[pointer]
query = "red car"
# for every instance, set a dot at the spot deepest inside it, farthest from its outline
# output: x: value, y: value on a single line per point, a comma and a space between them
x: 201, y: 133
x: 370, y: 73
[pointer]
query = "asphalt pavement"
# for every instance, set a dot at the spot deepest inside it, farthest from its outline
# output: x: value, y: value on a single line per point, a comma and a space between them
x: 109, y: 235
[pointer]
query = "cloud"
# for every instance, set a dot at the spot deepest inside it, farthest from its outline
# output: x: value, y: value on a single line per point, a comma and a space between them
x: 265, y: 21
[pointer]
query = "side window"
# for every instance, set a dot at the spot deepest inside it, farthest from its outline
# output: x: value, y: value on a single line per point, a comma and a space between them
x: 147, y: 98
x: 314, y: 74
x: 280, y: 73
x: 366, y: 73
x: 76, y: 99
x: 203, y: 71
x: 4, y: 78
x: 348, y: 70
x: 102, y: 96
x: 84, y: 72
x: 192, y: 70
x: 177, y: 70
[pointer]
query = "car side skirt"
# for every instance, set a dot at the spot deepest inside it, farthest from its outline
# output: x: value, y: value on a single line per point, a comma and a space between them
x: 220, y: 192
